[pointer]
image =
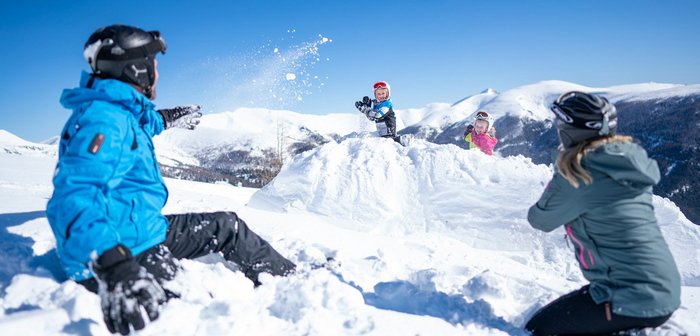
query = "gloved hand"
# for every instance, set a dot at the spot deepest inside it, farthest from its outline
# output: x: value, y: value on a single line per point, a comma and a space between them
x: 469, y: 129
x: 181, y: 116
x: 367, y: 101
x: 125, y: 287
x: 364, y: 105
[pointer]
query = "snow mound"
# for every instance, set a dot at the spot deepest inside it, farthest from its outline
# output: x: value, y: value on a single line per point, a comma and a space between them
x: 477, y: 199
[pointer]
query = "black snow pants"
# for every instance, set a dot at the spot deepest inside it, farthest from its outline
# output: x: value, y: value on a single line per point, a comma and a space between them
x: 390, y: 121
x: 195, y: 235
x: 577, y: 314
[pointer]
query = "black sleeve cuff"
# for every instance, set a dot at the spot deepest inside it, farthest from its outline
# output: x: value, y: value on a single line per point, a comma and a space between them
x: 114, y: 256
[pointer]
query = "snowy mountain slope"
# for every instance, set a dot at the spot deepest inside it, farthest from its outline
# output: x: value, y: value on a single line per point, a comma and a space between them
x: 463, y: 261
x: 527, y: 102
x: 532, y: 101
x: 10, y: 143
x: 9, y: 139
x: 255, y: 128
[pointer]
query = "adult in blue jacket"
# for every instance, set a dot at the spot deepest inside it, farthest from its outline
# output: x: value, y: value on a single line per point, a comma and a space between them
x: 601, y: 193
x: 108, y: 192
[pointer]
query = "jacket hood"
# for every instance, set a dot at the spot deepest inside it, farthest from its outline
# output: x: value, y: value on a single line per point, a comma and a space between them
x: 109, y: 90
x: 626, y: 163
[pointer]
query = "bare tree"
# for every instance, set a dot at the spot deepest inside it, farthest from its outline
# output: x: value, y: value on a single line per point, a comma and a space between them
x: 277, y: 156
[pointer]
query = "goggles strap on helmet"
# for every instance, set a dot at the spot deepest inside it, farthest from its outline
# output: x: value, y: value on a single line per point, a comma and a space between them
x: 380, y: 85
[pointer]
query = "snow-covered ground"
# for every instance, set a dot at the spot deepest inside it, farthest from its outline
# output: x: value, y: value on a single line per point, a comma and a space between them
x: 430, y: 240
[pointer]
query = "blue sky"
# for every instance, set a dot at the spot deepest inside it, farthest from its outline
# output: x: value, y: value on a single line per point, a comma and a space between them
x: 222, y: 53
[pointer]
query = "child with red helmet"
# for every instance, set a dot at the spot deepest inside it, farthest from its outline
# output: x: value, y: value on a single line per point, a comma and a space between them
x: 380, y: 110
x: 481, y: 134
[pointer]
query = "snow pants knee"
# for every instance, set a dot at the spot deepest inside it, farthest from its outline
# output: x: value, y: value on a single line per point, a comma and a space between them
x: 197, y: 234
x: 577, y: 314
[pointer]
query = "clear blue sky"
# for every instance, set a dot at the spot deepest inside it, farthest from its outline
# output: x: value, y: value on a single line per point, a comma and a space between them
x: 429, y: 51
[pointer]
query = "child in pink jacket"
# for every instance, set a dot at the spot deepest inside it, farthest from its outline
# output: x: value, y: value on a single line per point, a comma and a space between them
x: 481, y: 135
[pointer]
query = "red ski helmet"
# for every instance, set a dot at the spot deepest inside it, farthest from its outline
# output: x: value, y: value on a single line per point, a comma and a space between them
x: 382, y: 85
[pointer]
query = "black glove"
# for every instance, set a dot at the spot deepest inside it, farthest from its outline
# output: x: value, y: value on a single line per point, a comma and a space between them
x: 359, y: 105
x: 367, y: 101
x: 181, y: 116
x: 125, y: 287
x: 469, y: 129
x: 364, y: 105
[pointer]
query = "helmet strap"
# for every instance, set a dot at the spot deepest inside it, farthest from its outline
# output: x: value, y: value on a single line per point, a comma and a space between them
x: 91, y: 81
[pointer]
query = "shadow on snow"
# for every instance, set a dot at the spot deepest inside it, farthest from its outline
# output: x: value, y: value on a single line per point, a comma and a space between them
x: 17, y: 255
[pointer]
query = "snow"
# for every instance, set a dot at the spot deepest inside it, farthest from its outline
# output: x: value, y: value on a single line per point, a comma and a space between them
x: 171, y: 155
x: 650, y: 91
x: 7, y: 138
x: 430, y: 239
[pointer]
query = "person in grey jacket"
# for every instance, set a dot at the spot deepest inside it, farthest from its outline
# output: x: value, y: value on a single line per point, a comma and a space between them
x: 602, y: 193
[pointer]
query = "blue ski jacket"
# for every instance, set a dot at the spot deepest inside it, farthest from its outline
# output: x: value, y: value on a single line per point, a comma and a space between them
x: 107, y: 185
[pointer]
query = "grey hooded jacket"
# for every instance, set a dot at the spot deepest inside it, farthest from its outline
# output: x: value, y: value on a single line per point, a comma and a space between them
x: 611, y: 223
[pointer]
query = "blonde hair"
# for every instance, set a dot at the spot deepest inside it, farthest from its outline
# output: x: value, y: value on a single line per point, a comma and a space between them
x: 569, y: 160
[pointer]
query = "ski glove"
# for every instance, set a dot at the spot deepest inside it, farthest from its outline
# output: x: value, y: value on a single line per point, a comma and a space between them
x: 364, y: 105
x: 469, y: 129
x: 125, y: 287
x: 186, y: 117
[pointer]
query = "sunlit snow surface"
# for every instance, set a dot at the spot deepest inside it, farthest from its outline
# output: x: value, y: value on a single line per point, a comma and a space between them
x: 430, y: 240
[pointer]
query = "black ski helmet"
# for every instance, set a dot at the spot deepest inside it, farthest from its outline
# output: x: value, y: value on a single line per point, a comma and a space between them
x: 125, y: 53
x: 582, y: 116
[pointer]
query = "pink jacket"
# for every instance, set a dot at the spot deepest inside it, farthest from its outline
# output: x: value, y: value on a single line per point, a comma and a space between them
x: 483, y: 141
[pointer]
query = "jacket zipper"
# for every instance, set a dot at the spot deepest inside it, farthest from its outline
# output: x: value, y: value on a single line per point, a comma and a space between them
x: 582, y: 249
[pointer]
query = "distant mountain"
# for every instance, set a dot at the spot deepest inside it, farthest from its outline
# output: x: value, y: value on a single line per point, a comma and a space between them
x: 249, y: 145
x: 12, y: 144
